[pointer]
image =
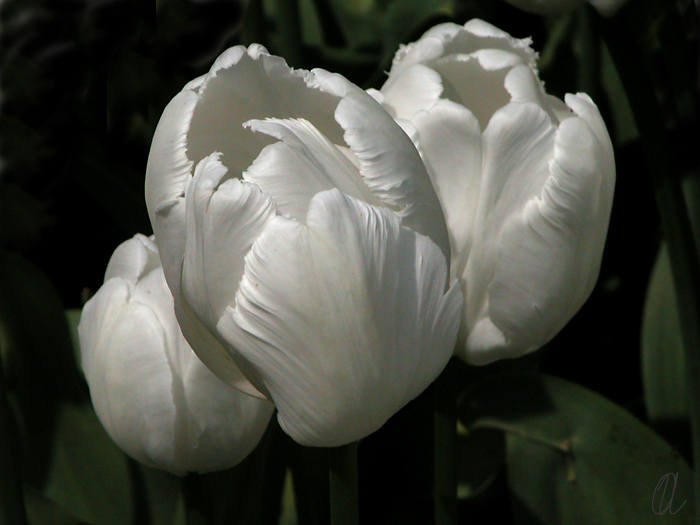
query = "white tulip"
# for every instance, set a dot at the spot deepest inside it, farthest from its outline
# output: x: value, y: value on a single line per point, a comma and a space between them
x: 526, y: 182
x: 156, y: 400
x: 303, y: 241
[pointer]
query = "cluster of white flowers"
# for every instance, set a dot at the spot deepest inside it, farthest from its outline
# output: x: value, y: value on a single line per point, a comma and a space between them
x: 324, y: 250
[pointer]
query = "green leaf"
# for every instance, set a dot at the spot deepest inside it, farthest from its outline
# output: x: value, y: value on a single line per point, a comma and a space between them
x: 575, y: 457
x: 663, y: 361
x: 41, y: 510
x: 480, y: 457
x: 38, y: 359
x: 163, y: 499
x: 89, y: 475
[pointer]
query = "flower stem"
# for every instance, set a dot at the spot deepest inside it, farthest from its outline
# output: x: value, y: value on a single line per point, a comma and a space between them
x: 290, y: 32
x: 342, y: 470
x: 253, y: 28
x: 675, y: 222
x: 11, y: 496
x: 196, y: 500
x: 444, y: 431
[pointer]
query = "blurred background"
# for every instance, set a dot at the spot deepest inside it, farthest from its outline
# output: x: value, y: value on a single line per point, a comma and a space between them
x: 82, y: 86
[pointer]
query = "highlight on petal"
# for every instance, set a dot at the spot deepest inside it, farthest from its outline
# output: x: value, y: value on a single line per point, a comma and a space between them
x: 517, y: 149
x: 390, y: 165
x: 156, y: 400
x: 133, y: 259
x: 454, y: 171
x: 417, y: 88
x: 448, y: 39
x: 342, y: 320
x: 301, y: 165
x: 549, y: 254
x: 223, y: 221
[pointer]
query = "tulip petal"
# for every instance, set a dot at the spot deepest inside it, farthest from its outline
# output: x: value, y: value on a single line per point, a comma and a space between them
x: 97, y: 321
x: 167, y: 173
x: 133, y: 259
x: 550, y: 252
x: 211, y: 351
x: 244, y: 85
x: 454, y: 171
x: 467, y: 82
x: 390, y: 164
x: 417, y: 88
x: 345, y: 319
x: 223, y: 221
x: 127, y: 367
x: 583, y: 106
x: 448, y: 39
x: 303, y: 164
x: 517, y: 147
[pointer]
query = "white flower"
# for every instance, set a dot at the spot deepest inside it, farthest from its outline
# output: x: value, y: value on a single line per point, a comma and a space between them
x: 525, y: 181
x: 303, y: 241
x: 156, y: 400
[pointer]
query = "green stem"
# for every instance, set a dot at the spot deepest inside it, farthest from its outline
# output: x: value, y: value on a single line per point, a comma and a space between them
x: 253, y: 28
x: 342, y: 470
x: 197, y: 507
x: 289, y: 23
x: 445, y: 436
x: 675, y: 222
x: 11, y: 497
x: 588, y: 66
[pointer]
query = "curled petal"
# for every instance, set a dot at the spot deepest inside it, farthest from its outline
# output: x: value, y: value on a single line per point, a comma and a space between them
x: 517, y: 148
x: 342, y: 320
x: 418, y: 89
x: 550, y: 252
x: 448, y: 39
x: 133, y: 259
x: 301, y: 165
x: 223, y: 221
x: 390, y: 164
x: 454, y: 171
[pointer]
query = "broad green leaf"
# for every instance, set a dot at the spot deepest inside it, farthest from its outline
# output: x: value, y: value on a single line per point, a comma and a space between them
x: 41, y: 510
x: 38, y: 359
x: 163, y: 499
x: 624, y: 129
x: 575, y: 457
x: 480, y: 457
x: 89, y: 475
x: 663, y: 362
